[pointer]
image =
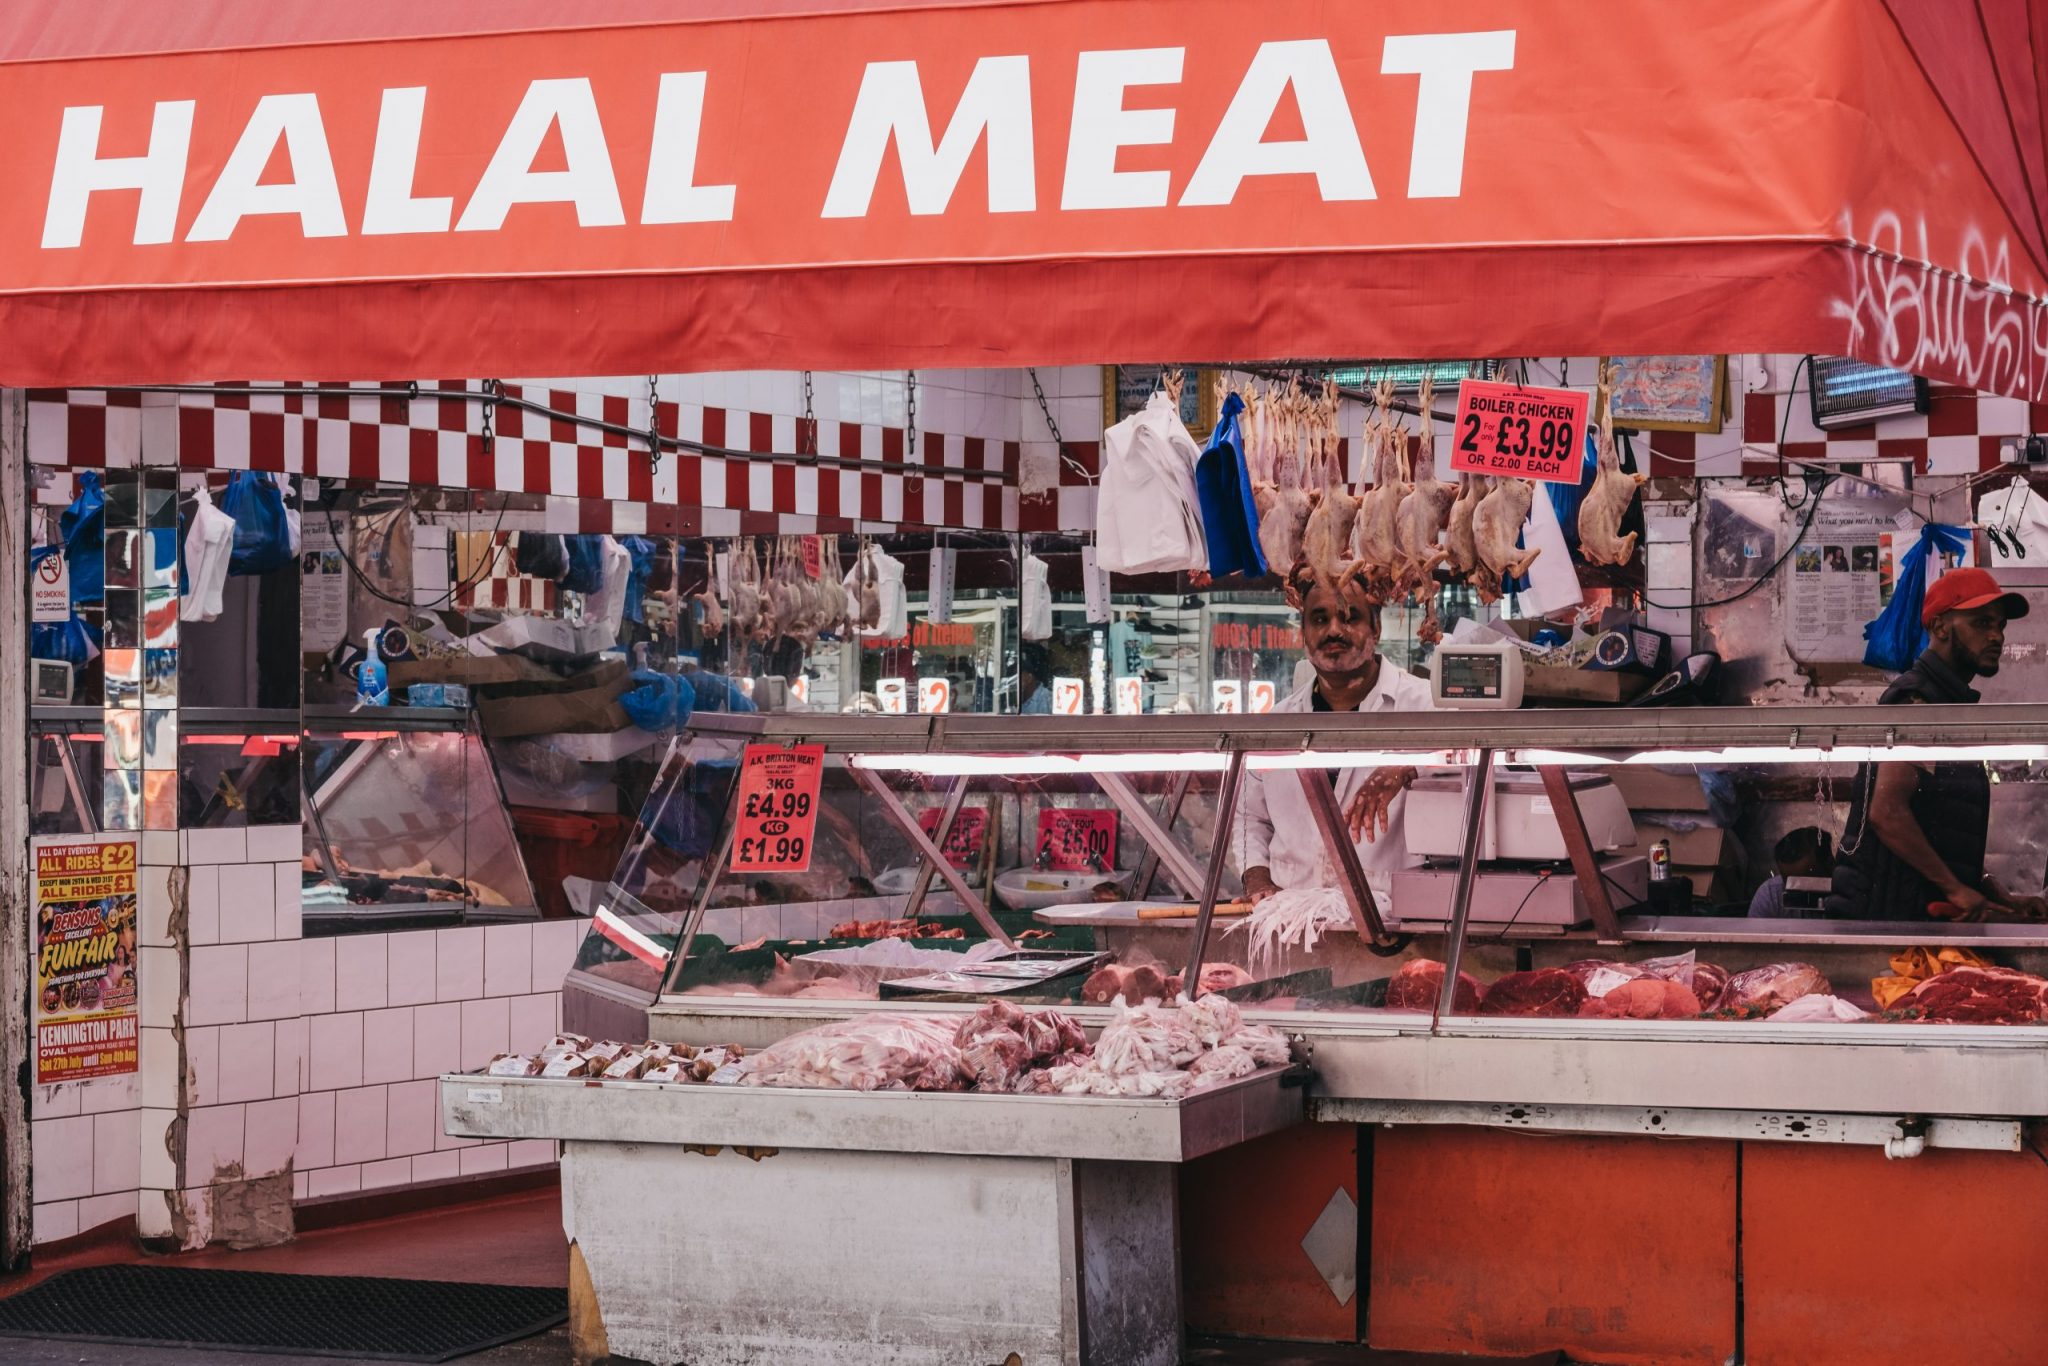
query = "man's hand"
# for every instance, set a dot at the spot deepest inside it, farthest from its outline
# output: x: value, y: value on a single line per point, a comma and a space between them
x: 1371, y: 807
x: 1970, y: 906
x: 2014, y: 907
x: 1258, y: 885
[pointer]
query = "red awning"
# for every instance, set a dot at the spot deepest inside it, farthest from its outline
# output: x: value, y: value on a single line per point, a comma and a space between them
x: 370, y: 190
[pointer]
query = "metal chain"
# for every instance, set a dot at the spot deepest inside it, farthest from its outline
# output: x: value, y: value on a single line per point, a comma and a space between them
x: 807, y: 434
x: 490, y: 436
x: 1059, y: 442
x: 910, y: 382
x: 653, y: 425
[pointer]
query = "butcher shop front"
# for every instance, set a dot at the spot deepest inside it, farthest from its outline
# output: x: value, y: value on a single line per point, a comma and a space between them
x: 1313, y: 757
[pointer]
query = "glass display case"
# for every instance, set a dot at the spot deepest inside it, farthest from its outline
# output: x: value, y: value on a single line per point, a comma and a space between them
x: 405, y: 823
x: 1596, y: 914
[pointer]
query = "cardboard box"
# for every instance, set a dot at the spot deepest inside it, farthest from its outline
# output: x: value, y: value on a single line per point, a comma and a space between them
x: 1649, y: 789
x: 471, y: 671
x: 590, y: 708
x: 1548, y: 685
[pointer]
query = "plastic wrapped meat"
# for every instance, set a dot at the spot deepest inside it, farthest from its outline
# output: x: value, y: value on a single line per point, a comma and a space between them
x: 1644, y: 998
x: 1601, y: 975
x: 1223, y: 977
x: 1266, y: 1045
x: 1050, y: 1033
x: 1541, y: 992
x: 999, y: 1043
x: 1419, y: 983
x: 1219, y: 1065
x: 1709, y: 981
x: 1767, y: 988
x: 872, y: 1053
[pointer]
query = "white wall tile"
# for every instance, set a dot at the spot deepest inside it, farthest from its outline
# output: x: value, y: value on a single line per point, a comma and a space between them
x: 116, y: 1152
x: 218, y: 984
x: 555, y: 944
x: 247, y: 1061
x: 316, y: 976
x: 202, y: 1065
x: 508, y: 959
x: 57, y: 1102
x: 359, y: 1124
x: 409, y: 968
x: 288, y: 1070
x: 213, y: 1143
x: 445, y: 1141
x: 202, y: 904
x: 483, y: 1159
x: 359, y: 972
x: 156, y: 987
x: 437, y: 1039
x: 486, y: 1030
x: 395, y: 1171
x: 532, y: 1023
x: 334, y: 1051
x: 436, y: 1167
x: 316, y: 1131
x: 248, y: 902
x: 160, y: 847
x: 153, y: 908
x: 152, y: 1215
x: 270, y: 1135
x: 161, y: 1081
x: 276, y: 979
x: 412, y: 1117
x: 387, y: 1045
x: 106, y: 1209
x: 530, y: 1152
x: 216, y: 846
x: 158, y: 1172
x: 289, y: 890
x: 333, y: 1181
x: 299, y: 1186
x: 62, y: 1158
x: 458, y: 964
x: 54, y: 1220
x: 276, y: 843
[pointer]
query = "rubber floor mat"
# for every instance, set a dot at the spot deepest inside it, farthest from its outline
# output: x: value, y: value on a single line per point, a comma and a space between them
x: 261, y: 1311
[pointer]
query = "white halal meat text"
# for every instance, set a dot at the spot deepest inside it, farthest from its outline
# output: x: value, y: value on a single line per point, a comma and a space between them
x: 995, y: 110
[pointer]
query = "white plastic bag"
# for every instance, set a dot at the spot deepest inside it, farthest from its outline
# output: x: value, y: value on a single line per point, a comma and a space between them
x: 1148, y: 517
x: 209, y: 544
x: 1037, y: 614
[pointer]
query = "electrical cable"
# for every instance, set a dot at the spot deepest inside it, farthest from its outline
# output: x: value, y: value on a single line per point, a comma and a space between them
x: 1543, y: 876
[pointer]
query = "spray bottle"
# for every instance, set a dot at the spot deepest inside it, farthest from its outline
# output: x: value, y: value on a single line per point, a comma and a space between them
x: 373, y: 687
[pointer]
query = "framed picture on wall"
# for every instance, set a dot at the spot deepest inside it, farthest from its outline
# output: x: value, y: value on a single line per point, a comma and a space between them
x: 1669, y: 393
x: 1127, y: 388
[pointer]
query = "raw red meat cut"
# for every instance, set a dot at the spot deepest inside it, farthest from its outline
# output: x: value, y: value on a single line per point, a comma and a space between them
x: 1709, y: 982
x: 1986, y: 995
x: 1771, y: 986
x: 1419, y: 984
x: 1543, y: 991
x: 1645, y: 998
x: 1133, y: 985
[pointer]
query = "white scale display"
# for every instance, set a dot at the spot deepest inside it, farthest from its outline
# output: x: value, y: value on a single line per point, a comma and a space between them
x: 1477, y: 677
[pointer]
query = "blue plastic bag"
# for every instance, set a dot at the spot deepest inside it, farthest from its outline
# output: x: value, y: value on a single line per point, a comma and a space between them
x: 263, y: 542
x: 1230, y: 520
x: 84, y: 528
x: 641, y: 550
x: 660, y: 702
x: 716, y: 692
x: 586, y: 564
x: 1897, y: 638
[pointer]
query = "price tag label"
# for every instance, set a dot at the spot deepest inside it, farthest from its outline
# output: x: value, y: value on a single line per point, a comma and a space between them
x: 1226, y: 696
x: 814, y: 556
x: 1261, y: 696
x: 934, y: 695
x: 1076, y: 839
x: 1520, y: 433
x: 778, y: 808
x: 1130, y: 696
x: 1067, y: 695
x: 967, y: 839
x: 894, y: 696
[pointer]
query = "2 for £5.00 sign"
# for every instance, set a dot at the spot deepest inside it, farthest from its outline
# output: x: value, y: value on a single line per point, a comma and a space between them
x: 778, y: 808
x: 1514, y: 432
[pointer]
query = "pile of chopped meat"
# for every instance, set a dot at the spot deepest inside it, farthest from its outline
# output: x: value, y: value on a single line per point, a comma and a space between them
x: 1162, y: 1050
x: 873, y: 1053
x: 895, y: 929
x: 999, y: 1044
x: 573, y: 1055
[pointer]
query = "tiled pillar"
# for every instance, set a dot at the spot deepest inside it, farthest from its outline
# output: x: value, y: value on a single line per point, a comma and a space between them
x: 223, y: 1041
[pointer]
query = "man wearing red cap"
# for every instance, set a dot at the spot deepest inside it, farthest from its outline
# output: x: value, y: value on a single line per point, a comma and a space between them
x: 1914, y: 845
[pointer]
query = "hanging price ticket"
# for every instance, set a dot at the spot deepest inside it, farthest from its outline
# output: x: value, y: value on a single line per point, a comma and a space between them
x: 1515, y: 432
x: 967, y: 839
x: 778, y: 811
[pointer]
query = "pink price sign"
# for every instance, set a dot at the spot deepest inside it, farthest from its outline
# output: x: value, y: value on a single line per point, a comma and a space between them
x: 1515, y: 432
x: 1076, y: 839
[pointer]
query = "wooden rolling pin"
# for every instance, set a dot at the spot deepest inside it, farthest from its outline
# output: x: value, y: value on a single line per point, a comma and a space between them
x: 1190, y: 912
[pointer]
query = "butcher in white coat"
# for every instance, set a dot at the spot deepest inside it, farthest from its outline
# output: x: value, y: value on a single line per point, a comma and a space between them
x: 1275, y: 843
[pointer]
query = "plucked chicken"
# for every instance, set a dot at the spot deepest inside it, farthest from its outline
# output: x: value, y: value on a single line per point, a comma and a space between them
x: 1461, y: 550
x: 1326, y: 542
x: 1372, y: 544
x: 1496, y: 526
x: 1422, y: 518
x: 1606, y: 503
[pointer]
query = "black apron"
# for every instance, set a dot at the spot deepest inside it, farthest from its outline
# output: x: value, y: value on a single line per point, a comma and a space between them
x: 1952, y: 803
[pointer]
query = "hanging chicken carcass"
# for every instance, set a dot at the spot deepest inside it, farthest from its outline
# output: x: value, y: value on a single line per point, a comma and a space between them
x: 1326, y: 543
x: 1373, y: 546
x: 1423, y: 517
x: 1496, y: 527
x: 1277, y: 491
x: 1607, y: 502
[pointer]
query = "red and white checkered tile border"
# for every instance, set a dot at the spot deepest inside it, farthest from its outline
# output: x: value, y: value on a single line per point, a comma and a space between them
x: 1961, y: 433
x: 955, y: 482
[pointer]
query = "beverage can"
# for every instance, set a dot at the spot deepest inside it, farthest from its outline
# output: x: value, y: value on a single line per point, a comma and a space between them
x: 1660, y: 861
